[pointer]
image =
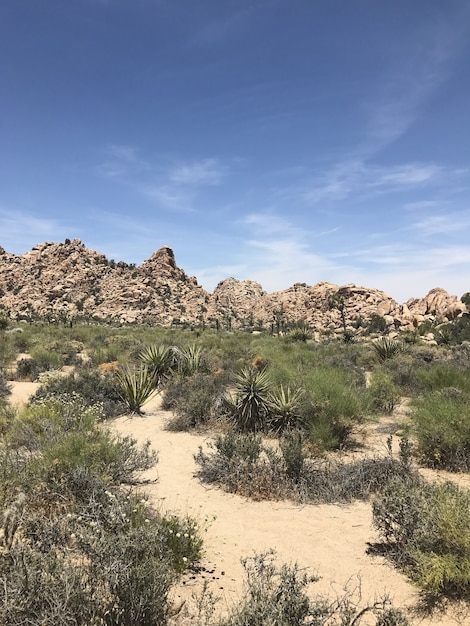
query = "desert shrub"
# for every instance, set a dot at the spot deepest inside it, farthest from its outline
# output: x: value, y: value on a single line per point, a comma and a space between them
x: 459, y: 330
x: 440, y: 376
x: 135, y: 386
x: 293, y: 454
x: 404, y: 371
x: 336, y: 404
x: 384, y: 394
x: 4, y: 386
x: 78, y: 547
x: 241, y: 464
x: 376, y: 324
x: 62, y: 434
x: 91, y: 385
x: 280, y: 595
x: 74, y: 569
x: 426, y: 531
x: 442, y: 428
x: 29, y: 369
x: 193, y: 399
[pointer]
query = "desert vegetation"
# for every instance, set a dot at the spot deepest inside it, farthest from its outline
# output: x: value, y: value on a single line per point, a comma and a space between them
x: 284, y: 413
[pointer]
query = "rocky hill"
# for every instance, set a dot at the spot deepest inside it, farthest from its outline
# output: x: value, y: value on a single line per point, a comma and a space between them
x: 67, y: 281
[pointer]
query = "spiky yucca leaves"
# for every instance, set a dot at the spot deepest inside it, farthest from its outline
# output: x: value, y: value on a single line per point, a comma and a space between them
x: 159, y: 359
x: 248, y: 405
x: 388, y: 348
x: 136, y: 386
x: 285, y: 404
x: 188, y: 359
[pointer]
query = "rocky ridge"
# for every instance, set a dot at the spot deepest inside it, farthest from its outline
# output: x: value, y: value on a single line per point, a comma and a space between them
x: 66, y: 281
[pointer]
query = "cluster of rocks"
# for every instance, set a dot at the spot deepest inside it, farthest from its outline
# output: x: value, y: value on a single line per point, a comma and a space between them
x: 67, y: 281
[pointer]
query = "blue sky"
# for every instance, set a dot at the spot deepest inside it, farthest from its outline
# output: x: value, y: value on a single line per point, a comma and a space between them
x: 278, y: 140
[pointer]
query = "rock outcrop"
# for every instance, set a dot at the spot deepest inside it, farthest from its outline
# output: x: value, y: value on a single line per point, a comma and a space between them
x: 66, y: 281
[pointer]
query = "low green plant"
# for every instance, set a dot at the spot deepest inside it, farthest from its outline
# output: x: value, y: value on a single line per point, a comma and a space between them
x: 241, y: 463
x: 90, y: 384
x: 384, y: 394
x: 193, y: 400
x: 426, y: 530
x: 5, y: 388
x: 439, y: 421
x: 136, y: 385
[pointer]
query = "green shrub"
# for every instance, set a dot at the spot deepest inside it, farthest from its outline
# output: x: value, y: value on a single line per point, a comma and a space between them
x: 376, y: 324
x: 440, y: 422
x: 90, y: 384
x: 336, y: 405
x: 4, y: 386
x: 439, y: 376
x: 193, y: 399
x: 78, y: 547
x: 384, y: 394
x: 426, y: 529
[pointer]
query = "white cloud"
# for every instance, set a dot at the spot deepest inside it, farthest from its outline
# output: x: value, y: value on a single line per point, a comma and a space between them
x: 20, y: 231
x: 360, y: 178
x: 204, y: 172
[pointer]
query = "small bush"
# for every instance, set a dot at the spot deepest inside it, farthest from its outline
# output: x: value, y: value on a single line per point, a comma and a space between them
x: 242, y: 464
x: 91, y: 385
x: 440, y: 423
x: 4, y: 386
x: 426, y: 530
x: 280, y: 596
x: 384, y: 394
x: 193, y: 399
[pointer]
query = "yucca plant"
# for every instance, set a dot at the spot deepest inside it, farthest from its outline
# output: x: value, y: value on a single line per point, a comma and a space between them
x: 388, y: 348
x: 188, y: 359
x: 285, y: 404
x: 136, y: 386
x: 248, y: 405
x: 159, y: 359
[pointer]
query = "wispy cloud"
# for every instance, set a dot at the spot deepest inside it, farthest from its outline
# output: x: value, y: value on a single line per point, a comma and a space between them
x: 357, y: 177
x: 203, y: 172
x: 440, y: 224
x: 20, y: 231
x: 422, y: 66
x: 171, y: 183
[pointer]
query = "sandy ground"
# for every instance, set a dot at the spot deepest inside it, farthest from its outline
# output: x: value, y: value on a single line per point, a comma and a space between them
x: 328, y: 540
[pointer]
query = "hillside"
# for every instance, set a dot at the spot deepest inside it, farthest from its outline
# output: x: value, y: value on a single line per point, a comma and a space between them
x: 67, y: 281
